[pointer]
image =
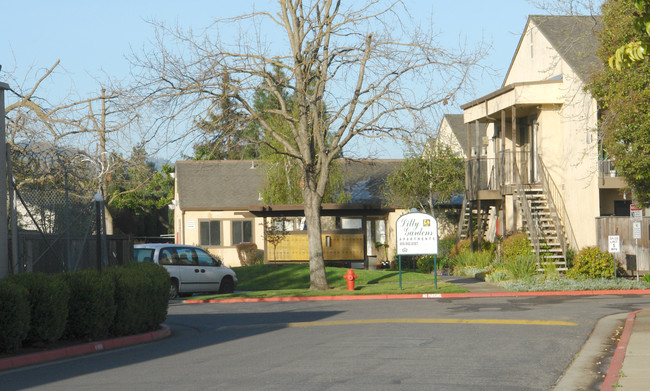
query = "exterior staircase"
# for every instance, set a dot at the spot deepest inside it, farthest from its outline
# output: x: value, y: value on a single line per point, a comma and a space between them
x: 545, y: 232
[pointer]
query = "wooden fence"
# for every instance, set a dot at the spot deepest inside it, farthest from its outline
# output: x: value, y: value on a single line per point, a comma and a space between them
x: 622, y: 226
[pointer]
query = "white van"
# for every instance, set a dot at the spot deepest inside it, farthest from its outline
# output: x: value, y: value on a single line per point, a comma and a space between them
x: 191, y: 269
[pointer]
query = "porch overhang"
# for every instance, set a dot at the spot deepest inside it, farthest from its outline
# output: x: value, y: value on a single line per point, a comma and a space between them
x: 546, y: 92
x: 326, y: 210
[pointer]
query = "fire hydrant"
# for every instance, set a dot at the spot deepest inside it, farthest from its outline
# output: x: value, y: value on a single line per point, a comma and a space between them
x: 350, y: 277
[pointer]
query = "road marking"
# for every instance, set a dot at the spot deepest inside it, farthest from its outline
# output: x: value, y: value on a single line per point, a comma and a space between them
x: 525, y: 322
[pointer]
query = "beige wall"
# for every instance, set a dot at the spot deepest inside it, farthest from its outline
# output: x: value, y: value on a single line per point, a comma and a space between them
x: 186, y: 226
x: 447, y: 137
x: 535, y: 59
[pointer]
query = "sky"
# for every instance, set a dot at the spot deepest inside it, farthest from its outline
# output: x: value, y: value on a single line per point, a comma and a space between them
x: 93, y: 39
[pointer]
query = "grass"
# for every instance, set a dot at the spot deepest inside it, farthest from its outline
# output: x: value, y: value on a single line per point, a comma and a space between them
x: 261, y: 281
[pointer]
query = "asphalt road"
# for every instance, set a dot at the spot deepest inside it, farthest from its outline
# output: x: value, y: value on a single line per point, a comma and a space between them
x: 517, y: 343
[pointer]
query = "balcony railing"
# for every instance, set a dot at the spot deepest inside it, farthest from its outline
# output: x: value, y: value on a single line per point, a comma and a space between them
x: 606, y: 168
x: 485, y: 173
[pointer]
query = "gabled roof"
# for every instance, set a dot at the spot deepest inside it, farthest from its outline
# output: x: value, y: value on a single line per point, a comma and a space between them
x: 218, y: 184
x: 236, y: 184
x: 573, y: 37
x: 459, y: 128
x: 364, y: 179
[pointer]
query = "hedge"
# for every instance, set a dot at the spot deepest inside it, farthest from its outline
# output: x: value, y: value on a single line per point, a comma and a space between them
x: 48, y: 300
x: 87, y: 305
x: 14, y: 316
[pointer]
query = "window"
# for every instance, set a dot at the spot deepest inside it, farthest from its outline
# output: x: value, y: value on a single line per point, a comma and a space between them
x: 205, y: 259
x: 242, y: 231
x: 210, y: 232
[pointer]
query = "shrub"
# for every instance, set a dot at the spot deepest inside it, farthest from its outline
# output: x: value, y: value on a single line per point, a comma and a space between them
x: 461, y: 247
x: 247, y: 253
x: 591, y: 262
x: 445, y: 245
x: 91, y: 305
x: 514, y: 246
x: 14, y: 316
x: 425, y: 263
x: 479, y: 260
x: 522, y: 267
x: 141, y: 297
x: 48, y: 300
x: 156, y: 299
x: 646, y: 278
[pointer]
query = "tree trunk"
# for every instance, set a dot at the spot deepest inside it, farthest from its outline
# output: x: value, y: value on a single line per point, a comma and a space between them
x: 317, y: 275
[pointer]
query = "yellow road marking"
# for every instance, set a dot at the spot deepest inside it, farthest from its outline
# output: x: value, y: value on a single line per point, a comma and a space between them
x: 527, y: 322
x: 426, y: 321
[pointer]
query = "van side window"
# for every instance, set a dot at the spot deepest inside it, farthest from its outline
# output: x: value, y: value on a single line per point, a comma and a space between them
x: 166, y: 257
x: 205, y: 259
x: 185, y: 256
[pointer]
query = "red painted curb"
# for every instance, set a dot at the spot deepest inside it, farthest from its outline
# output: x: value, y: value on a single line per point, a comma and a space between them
x: 619, y: 354
x: 78, y: 350
x: 424, y: 296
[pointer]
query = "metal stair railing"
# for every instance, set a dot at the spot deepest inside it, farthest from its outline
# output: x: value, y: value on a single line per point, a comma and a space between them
x: 558, y: 209
x: 523, y: 202
x: 461, y: 222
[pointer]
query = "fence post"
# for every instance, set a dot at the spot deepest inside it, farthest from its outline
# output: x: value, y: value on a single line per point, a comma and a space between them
x: 98, y: 228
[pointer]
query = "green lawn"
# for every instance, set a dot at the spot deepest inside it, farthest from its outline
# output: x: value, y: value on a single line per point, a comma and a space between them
x: 261, y: 281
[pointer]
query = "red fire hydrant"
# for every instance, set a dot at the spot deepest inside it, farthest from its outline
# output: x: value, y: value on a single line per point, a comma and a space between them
x: 350, y: 277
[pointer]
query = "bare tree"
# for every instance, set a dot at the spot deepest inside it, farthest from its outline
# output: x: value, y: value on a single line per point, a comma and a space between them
x: 38, y: 127
x: 352, y: 72
x: 568, y: 7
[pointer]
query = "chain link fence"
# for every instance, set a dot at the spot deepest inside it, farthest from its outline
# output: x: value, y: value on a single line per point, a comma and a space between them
x: 54, y: 231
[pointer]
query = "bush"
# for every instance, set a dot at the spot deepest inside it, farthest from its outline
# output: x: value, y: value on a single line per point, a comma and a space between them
x: 425, y: 263
x: 247, y: 253
x: 141, y: 297
x: 591, y: 262
x: 445, y: 245
x: 479, y: 260
x: 91, y: 305
x: 646, y: 278
x: 514, y: 246
x: 461, y: 247
x: 48, y: 300
x: 522, y: 267
x: 156, y: 298
x: 14, y: 316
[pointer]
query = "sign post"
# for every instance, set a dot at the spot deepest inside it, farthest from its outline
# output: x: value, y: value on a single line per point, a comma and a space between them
x: 636, y: 216
x: 417, y: 234
x: 614, y: 247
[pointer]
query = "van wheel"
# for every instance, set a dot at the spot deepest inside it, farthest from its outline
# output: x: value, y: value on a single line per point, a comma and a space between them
x: 173, y: 290
x: 227, y: 285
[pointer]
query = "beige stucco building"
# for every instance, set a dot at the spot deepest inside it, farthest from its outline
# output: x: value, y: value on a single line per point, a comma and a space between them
x: 539, y: 164
x: 218, y: 205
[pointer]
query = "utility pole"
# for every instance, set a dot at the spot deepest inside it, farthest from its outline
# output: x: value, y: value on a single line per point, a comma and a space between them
x: 4, y: 229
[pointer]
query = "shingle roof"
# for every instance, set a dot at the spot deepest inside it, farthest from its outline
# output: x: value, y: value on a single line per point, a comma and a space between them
x: 575, y: 38
x: 218, y: 184
x: 364, y: 179
x: 234, y: 184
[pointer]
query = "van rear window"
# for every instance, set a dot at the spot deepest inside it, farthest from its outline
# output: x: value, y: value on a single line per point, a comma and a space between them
x: 143, y: 255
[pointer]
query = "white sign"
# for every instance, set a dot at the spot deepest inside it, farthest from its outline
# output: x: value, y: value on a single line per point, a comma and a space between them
x: 636, y: 213
x: 190, y: 224
x: 636, y: 230
x: 614, y: 243
x: 417, y: 234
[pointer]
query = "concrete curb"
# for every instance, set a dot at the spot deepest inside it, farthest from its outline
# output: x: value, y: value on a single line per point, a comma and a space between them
x: 619, y: 354
x: 78, y: 350
x: 424, y: 296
